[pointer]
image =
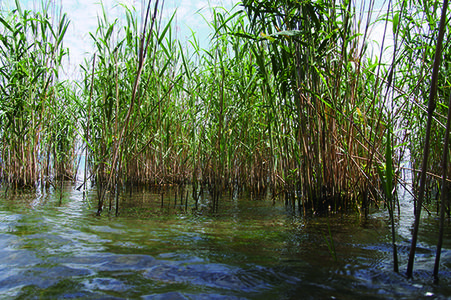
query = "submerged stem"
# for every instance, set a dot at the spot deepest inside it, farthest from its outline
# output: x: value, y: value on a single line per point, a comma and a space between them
x: 431, y: 108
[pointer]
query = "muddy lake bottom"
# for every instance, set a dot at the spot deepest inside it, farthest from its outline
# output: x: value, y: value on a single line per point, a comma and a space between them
x: 52, y: 246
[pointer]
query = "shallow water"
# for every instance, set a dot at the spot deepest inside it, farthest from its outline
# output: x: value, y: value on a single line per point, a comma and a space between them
x: 54, y: 247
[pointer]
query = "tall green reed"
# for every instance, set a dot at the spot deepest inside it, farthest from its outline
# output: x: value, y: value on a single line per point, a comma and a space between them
x: 387, y: 176
x: 133, y: 123
x: 430, y: 111
x: 412, y: 100
x: 283, y: 98
x: 37, y: 137
x: 325, y: 122
x: 233, y: 125
x: 418, y: 32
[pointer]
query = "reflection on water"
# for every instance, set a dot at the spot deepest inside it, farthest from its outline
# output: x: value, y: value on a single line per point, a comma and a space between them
x: 55, y: 247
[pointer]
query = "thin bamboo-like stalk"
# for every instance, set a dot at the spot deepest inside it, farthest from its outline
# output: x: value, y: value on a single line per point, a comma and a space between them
x: 33, y: 145
x: 431, y: 108
x: 444, y: 195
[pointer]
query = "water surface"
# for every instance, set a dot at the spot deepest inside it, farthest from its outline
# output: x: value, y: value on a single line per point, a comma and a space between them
x: 52, y: 246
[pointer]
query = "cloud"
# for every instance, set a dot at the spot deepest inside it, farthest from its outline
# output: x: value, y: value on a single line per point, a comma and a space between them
x: 83, y: 16
x: 378, y: 37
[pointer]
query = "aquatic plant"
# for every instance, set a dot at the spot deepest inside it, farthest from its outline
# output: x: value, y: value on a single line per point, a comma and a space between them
x: 327, y: 126
x: 444, y: 195
x: 268, y: 99
x: 418, y: 31
x: 330, y: 242
x: 430, y: 111
x: 128, y: 89
x: 37, y: 124
x: 387, y: 175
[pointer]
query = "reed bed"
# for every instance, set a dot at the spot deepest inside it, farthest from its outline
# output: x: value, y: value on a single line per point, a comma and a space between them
x: 418, y: 33
x: 37, y: 124
x: 329, y: 118
x: 286, y: 98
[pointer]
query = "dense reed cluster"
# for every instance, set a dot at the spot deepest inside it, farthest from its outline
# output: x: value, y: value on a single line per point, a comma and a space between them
x: 417, y: 35
x: 37, y: 124
x: 287, y: 96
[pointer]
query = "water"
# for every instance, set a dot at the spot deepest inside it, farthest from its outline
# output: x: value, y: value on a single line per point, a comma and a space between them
x: 54, y: 248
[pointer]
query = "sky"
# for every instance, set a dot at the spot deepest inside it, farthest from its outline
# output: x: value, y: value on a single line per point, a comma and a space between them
x: 83, y: 20
x: 83, y: 15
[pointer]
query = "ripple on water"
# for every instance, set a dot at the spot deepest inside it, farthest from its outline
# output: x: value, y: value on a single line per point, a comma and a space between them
x: 106, y: 229
x: 64, y: 252
x: 212, y: 275
x: 105, y: 284
x: 127, y: 262
x: 41, y: 277
x: 18, y: 258
x: 187, y: 258
x: 8, y: 222
x: 185, y: 296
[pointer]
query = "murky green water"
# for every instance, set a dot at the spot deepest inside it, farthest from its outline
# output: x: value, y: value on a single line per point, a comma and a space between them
x: 249, y: 249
